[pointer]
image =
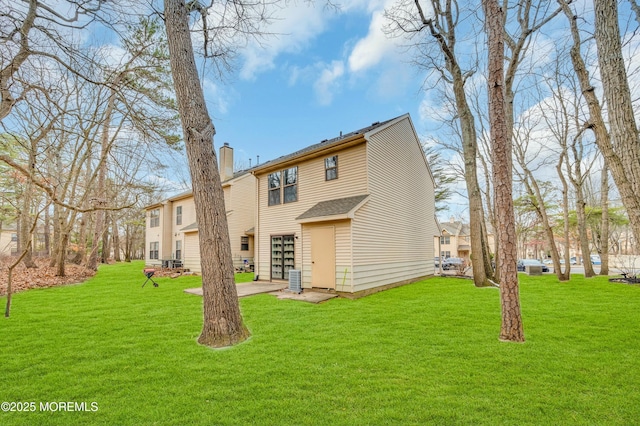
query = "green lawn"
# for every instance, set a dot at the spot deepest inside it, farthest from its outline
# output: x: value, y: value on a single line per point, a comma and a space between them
x: 426, y: 353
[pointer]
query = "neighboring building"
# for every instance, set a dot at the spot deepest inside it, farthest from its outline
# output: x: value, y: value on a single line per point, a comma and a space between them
x: 354, y: 213
x: 455, y: 240
x: 172, y: 230
x: 8, y: 241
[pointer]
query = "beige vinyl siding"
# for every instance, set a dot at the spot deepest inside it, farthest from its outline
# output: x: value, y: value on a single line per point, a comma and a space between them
x: 240, y: 203
x: 393, y: 232
x: 7, y: 246
x: 160, y: 234
x: 192, y: 252
x: 166, y: 217
x: 188, y: 217
x: 312, y: 188
x: 344, y: 264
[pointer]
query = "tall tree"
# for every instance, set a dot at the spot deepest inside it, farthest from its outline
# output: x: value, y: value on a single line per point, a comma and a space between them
x: 615, y: 84
x: 511, y: 328
x: 619, y: 145
x: 440, y: 22
x: 223, y: 325
x: 604, y: 223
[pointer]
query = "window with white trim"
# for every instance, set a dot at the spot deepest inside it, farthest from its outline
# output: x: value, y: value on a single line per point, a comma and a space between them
x: 283, y: 186
x: 154, y: 249
x: 331, y: 168
x: 154, y: 218
x: 179, y: 215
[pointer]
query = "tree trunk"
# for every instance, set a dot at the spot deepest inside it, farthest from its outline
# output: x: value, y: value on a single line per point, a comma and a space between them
x: 622, y: 151
x: 511, y: 328
x: 578, y: 181
x: 116, y: 241
x: 100, y: 219
x: 604, y: 231
x: 583, y: 237
x: 62, y: 250
x: 47, y: 231
x: 480, y: 255
x: 127, y: 244
x: 56, y: 235
x: 566, y: 274
x: 223, y: 324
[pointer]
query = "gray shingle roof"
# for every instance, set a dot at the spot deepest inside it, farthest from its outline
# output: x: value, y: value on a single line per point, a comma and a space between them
x: 333, y: 207
x: 192, y: 227
x: 325, y: 143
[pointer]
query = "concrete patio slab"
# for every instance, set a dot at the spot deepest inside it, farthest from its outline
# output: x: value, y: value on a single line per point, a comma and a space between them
x: 306, y: 296
x: 246, y: 289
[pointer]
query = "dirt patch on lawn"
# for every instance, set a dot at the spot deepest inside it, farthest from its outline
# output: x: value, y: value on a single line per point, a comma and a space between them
x: 43, y: 276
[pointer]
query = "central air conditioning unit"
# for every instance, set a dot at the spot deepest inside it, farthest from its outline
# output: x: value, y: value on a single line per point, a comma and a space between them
x: 295, y: 281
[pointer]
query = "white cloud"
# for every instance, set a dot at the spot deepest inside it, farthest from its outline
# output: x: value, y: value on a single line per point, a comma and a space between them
x: 328, y: 83
x: 293, y: 27
x: 217, y: 99
x: 370, y: 50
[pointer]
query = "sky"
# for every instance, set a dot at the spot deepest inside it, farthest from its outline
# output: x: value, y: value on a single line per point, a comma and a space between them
x: 334, y: 70
x: 329, y: 71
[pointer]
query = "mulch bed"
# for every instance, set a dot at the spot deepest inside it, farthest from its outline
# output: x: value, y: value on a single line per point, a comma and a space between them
x: 627, y: 280
x: 43, y: 276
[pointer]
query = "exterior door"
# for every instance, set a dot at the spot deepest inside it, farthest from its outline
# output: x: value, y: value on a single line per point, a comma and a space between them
x: 323, y: 257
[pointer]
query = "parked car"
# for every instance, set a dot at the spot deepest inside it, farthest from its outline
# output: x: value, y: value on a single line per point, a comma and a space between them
x: 595, y: 259
x: 523, y: 263
x: 452, y: 263
x: 548, y: 261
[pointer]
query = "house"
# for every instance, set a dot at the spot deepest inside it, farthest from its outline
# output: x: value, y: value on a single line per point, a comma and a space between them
x: 8, y: 241
x: 172, y: 230
x: 454, y: 240
x: 354, y: 214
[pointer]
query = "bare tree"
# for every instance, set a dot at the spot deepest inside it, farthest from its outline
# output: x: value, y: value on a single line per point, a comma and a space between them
x: 620, y: 148
x: 440, y: 22
x: 511, y: 328
x: 138, y: 96
x: 538, y: 192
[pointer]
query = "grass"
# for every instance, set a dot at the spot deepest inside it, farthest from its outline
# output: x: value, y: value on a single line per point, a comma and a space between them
x: 426, y: 353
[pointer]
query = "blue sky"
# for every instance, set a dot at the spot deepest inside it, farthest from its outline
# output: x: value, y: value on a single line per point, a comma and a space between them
x: 334, y: 71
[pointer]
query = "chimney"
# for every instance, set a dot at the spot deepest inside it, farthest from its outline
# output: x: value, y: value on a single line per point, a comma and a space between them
x: 225, y: 162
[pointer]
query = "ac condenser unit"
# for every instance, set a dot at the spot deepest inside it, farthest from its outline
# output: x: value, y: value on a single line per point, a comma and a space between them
x: 295, y: 281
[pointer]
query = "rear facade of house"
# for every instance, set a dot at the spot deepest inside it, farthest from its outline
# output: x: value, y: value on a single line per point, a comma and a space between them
x: 353, y: 214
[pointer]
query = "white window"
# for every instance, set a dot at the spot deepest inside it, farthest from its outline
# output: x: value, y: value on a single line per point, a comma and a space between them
x: 331, y: 168
x: 154, y: 249
x: 283, y: 186
x: 179, y: 249
x: 154, y: 218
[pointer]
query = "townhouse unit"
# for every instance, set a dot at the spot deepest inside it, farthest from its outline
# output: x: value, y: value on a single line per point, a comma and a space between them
x: 454, y: 240
x: 353, y: 214
x: 172, y: 228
